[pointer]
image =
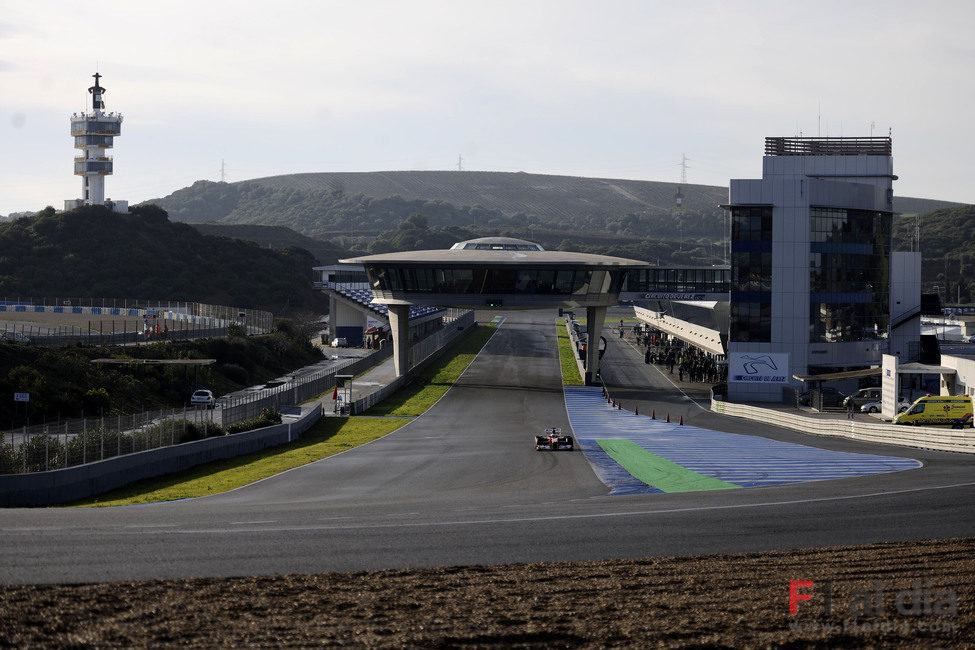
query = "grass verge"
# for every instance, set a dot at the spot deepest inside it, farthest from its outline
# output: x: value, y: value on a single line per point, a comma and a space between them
x: 430, y: 385
x: 567, y: 359
x: 327, y: 437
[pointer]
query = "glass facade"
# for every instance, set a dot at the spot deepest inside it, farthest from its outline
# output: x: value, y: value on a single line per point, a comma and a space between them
x: 81, y: 141
x: 680, y: 280
x: 751, y: 273
x: 492, y: 281
x: 93, y: 166
x: 849, y: 261
x: 96, y: 127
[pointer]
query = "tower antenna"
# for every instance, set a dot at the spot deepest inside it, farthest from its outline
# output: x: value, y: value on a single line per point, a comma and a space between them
x: 460, y: 163
x: 223, y: 171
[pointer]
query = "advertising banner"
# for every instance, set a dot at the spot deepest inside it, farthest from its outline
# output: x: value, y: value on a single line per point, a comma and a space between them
x: 759, y: 367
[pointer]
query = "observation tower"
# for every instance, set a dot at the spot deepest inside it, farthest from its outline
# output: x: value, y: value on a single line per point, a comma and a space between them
x: 94, y: 132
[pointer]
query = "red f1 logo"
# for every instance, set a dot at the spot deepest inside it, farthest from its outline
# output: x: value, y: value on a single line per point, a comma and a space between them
x: 795, y: 596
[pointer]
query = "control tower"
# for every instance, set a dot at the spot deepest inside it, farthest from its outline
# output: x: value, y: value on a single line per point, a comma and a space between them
x: 93, y: 133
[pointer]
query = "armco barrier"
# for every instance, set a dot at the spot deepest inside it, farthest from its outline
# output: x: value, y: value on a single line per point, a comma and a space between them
x: 83, y: 481
x: 960, y: 440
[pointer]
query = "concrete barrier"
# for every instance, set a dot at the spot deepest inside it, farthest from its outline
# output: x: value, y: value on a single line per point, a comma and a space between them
x: 960, y: 440
x: 83, y: 481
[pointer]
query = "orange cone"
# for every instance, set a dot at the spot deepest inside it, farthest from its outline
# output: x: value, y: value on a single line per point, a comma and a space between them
x: 619, y: 406
x: 668, y: 416
x: 682, y: 420
x: 653, y: 414
x: 636, y: 410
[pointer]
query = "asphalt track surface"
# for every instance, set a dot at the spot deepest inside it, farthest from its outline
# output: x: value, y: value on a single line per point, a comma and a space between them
x: 463, y: 485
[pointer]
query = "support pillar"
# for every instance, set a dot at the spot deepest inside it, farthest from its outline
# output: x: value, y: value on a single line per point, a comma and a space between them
x: 399, y: 328
x: 595, y: 318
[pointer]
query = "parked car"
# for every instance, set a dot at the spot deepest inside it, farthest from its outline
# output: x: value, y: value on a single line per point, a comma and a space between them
x: 862, y: 396
x: 875, y: 407
x: 340, y: 342
x: 971, y: 339
x: 16, y: 337
x: 203, y: 398
x: 831, y: 397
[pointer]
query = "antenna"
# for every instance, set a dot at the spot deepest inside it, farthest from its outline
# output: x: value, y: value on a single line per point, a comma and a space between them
x: 223, y: 171
x: 819, y: 120
x: 683, y: 169
x: 871, y: 128
x: 460, y: 163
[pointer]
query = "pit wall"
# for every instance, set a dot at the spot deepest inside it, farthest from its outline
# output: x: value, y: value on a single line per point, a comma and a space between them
x: 960, y: 440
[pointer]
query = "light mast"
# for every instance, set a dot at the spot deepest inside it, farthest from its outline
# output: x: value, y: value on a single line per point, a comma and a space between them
x: 93, y: 133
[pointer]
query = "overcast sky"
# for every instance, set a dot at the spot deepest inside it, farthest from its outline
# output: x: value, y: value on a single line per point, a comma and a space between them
x: 603, y: 89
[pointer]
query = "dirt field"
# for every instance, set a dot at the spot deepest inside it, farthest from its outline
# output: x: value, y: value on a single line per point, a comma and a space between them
x: 920, y: 594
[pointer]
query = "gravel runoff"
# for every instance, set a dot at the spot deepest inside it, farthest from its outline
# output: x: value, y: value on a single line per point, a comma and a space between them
x: 920, y: 594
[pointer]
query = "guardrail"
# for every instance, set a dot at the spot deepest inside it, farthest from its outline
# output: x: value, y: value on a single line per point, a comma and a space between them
x: 960, y: 440
x: 422, y: 354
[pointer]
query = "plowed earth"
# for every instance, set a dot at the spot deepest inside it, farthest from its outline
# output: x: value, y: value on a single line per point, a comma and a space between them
x: 920, y: 594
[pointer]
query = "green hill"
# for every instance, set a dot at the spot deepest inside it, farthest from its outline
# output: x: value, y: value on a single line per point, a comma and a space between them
x: 374, y: 211
x: 948, y: 247
x: 277, y: 237
x: 93, y: 252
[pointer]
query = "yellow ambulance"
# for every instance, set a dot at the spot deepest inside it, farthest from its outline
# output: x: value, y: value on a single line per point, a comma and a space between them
x: 955, y: 410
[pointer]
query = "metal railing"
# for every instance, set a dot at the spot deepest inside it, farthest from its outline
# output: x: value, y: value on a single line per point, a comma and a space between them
x: 68, y: 443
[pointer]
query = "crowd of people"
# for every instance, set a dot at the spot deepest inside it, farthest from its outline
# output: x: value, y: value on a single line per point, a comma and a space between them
x: 686, y: 361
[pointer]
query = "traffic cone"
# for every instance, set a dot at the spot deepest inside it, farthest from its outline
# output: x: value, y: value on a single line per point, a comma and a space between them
x: 619, y: 406
x: 335, y: 393
x: 682, y: 420
x: 653, y: 414
x: 636, y: 410
x: 668, y: 416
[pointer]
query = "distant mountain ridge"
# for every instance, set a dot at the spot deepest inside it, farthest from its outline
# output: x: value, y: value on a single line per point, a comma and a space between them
x: 549, y: 197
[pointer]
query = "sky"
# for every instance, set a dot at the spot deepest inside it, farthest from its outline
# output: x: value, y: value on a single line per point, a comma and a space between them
x: 610, y: 89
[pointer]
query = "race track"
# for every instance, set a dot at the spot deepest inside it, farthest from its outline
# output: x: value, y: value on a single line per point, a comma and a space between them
x: 463, y: 485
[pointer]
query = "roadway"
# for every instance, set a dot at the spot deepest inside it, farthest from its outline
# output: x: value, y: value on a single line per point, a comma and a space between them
x: 462, y: 484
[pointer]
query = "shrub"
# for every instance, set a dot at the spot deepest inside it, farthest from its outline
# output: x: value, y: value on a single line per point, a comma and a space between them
x: 42, y: 452
x: 8, y: 458
x: 267, y: 418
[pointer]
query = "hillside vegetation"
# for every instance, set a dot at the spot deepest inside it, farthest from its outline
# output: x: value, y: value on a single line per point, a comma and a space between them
x: 93, y: 252
x: 386, y: 211
x: 65, y: 383
x: 278, y: 238
x: 948, y: 247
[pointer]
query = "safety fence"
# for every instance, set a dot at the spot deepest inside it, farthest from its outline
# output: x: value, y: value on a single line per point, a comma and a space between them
x: 67, y: 443
x: 83, y: 481
x: 961, y: 440
x: 422, y: 354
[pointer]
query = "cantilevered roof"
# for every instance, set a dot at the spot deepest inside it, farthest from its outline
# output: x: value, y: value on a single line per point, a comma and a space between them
x: 452, y: 257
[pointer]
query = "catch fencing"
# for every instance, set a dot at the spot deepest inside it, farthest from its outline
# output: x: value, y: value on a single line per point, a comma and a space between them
x: 68, y: 443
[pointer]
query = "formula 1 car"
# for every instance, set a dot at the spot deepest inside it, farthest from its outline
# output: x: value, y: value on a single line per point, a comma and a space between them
x: 553, y: 440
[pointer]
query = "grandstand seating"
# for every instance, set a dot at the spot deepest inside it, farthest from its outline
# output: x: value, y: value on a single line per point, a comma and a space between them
x: 364, y: 297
